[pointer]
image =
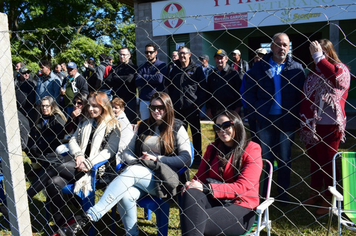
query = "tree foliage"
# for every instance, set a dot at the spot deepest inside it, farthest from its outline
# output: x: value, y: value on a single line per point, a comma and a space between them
x: 67, y: 30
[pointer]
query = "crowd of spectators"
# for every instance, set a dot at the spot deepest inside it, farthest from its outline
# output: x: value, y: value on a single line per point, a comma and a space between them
x: 111, y: 108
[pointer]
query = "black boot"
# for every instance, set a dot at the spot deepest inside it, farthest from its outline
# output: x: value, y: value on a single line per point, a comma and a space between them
x: 80, y: 224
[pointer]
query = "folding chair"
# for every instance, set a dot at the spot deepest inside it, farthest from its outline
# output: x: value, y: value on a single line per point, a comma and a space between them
x: 348, y: 163
x: 262, y: 211
x: 159, y: 206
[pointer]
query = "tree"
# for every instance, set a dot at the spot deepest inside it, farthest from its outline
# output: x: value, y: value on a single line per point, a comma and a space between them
x: 45, y: 29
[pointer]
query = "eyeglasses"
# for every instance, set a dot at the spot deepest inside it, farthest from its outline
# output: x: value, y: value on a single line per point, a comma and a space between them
x: 159, y: 108
x: 77, y: 103
x: 223, y: 127
x: 46, y: 106
x: 149, y: 52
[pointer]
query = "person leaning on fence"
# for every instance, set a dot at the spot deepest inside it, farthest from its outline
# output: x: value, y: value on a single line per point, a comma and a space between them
x: 272, y: 94
x: 182, y: 85
x: 95, y: 140
x: 223, y: 86
x: 323, y: 117
x: 163, y: 141
x: 47, y: 133
x: 221, y: 198
x: 149, y: 78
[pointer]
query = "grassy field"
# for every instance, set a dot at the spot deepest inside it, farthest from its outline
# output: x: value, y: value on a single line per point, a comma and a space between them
x: 288, y: 218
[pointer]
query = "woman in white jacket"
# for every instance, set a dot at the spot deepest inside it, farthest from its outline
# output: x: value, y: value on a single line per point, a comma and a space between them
x: 95, y: 140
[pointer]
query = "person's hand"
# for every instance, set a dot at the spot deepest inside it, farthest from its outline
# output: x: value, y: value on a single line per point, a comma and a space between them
x: 76, y: 112
x: 63, y: 91
x: 79, y: 160
x: 85, y: 64
x: 146, y: 156
x: 315, y: 47
x: 194, y: 184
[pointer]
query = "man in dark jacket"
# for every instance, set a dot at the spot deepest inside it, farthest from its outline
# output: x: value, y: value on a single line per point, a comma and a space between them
x: 73, y: 84
x: 223, y: 86
x: 182, y: 87
x: 122, y: 81
x: 273, y: 93
x: 150, y: 78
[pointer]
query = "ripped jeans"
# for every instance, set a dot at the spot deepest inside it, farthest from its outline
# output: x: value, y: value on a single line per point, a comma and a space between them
x: 134, y: 182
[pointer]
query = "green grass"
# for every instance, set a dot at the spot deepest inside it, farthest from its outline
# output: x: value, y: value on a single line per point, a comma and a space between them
x: 290, y: 219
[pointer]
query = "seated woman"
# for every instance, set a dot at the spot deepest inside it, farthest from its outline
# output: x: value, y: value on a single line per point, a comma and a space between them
x: 221, y: 198
x: 77, y: 115
x: 160, y: 138
x: 95, y: 140
x: 47, y: 133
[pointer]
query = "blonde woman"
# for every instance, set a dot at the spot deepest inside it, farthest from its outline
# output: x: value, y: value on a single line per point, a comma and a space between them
x: 95, y: 140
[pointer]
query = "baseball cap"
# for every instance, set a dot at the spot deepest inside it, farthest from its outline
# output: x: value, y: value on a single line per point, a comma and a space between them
x: 236, y: 51
x: 261, y: 51
x: 23, y: 70
x: 220, y: 52
x: 72, y: 65
x: 204, y: 57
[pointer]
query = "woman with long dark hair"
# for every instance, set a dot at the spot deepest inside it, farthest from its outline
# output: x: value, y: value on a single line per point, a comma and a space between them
x: 95, y: 140
x: 221, y: 198
x: 323, y: 117
x: 160, y: 139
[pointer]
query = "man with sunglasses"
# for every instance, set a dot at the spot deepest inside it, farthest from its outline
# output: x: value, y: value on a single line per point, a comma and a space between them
x: 149, y: 78
x: 273, y: 92
x: 182, y: 86
x: 25, y: 94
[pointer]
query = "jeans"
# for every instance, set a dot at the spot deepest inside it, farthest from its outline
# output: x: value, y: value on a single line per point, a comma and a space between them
x: 134, y: 182
x: 144, y: 111
x: 277, y: 144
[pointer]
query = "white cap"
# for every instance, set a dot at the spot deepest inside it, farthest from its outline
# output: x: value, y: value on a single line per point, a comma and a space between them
x: 236, y: 51
x: 261, y: 51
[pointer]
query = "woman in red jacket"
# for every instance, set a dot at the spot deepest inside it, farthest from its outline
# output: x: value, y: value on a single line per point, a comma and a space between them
x: 323, y: 116
x: 222, y: 196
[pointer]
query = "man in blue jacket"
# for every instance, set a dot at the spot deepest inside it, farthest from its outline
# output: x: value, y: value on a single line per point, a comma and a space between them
x: 273, y: 94
x: 149, y: 78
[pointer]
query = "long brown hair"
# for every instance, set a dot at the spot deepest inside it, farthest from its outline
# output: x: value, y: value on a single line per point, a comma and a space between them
x: 240, y: 137
x: 107, y: 114
x: 167, y: 122
x: 332, y: 57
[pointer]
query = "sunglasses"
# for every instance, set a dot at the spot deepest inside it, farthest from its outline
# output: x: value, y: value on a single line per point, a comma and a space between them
x: 154, y: 108
x: 77, y: 103
x: 149, y: 52
x: 223, y: 127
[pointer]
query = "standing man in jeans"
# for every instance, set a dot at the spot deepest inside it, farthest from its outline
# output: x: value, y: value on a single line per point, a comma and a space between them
x: 273, y: 94
x: 149, y: 78
x: 182, y: 86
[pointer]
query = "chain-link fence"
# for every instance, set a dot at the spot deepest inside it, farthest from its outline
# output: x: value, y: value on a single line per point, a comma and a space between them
x: 292, y: 94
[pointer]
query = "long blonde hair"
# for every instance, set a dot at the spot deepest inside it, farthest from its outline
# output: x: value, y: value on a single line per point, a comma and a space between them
x: 107, y: 114
x: 54, y: 108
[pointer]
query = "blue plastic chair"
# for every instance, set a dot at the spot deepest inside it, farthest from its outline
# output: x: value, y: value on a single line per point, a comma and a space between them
x: 159, y: 206
x: 86, y: 202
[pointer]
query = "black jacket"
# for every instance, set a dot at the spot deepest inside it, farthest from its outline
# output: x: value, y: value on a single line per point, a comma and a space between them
x: 122, y: 80
x: 182, y: 86
x: 223, y: 88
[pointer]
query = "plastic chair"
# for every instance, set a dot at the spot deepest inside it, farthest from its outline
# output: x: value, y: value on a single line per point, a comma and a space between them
x: 86, y: 201
x: 348, y: 163
x: 159, y: 206
x: 262, y: 211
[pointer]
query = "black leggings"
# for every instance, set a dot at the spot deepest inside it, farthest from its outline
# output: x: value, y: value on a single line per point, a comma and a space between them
x: 54, y: 179
x: 202, y: 215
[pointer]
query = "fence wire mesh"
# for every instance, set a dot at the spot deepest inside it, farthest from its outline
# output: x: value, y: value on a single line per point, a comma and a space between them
x: 52, y: 109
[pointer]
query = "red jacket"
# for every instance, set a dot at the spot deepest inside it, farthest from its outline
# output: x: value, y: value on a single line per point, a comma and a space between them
x: 245, y: 188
